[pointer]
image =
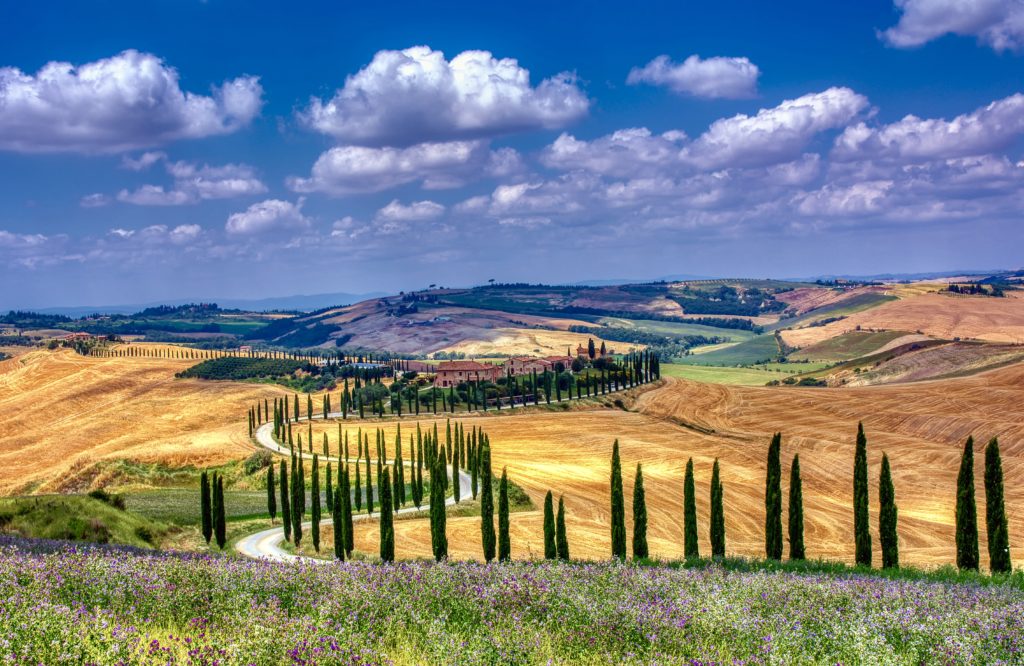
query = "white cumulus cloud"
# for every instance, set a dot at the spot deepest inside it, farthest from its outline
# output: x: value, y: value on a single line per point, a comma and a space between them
x: 266, y: 216
x: 416, y: 95
x: 915, y: 139
x: 774, y: 135
x: 996, y: 23
x: 194, y: 183
x: 360, y: 169
x: 711, y: 78
x: 128, y: 101
x: 417, y: 211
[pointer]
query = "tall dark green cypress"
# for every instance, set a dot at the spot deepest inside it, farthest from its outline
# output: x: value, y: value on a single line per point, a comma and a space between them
x: 315, y: 510
x: 206, y: 506
x: 387, y: 519
x: 329, y: 485
x: 219, y: 522
x: 486, y: 504
x: 346, y: 512
x: 296, y: 505
x: 690, y: 547
x: 618, y: 506
x: 967, y: 556
x: 640, y: 550
x: 339, y: 528
x: 286, y: 505
x: 717, y: 513
x: 438, y: 519
x: 796, y: 512
x: 271, y: 494
x: 369, y: 484
x: 887, y: 514
x: 561, y: 540
x: 995, y: 511
x: 504, y: 539
x: 550, y: 544
x: 861, y: 528
x: 773, y: 500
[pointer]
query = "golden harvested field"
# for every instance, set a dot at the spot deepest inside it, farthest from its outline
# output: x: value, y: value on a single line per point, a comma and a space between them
x: 921, y: 427
x: 933, y: 314
x: 805, y: 299
x: 62, y: 413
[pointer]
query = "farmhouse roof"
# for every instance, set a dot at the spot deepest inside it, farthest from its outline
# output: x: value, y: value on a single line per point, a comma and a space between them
x: 463, y: 365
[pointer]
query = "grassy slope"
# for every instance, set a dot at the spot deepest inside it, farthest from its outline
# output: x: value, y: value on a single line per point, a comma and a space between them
x: 76, y: 518
x: 760, y: 348
x: 844, y: 308
x: 722, y: 375
x: 675, y: 328
x: 848, y: 346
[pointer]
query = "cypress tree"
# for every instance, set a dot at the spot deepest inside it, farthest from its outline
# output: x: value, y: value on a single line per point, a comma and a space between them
x: 286, y: 507
x: 995, y: 511
x: 387, y: 520
x: 887, y: 511
x: 339, y: 528
x: 455, y: 473
x: 358, y: 494
x: 219, y: 523
x: 773, y: 501
x: 315, y: 511
x: 717, y: 513
x: 438, y: 520
x: 618, y: 507
x: 561, y: 540
x: 206, y: 506
x: 640, y: 550
x: 550, y: 543
x: 504, y: 540
x: 967, y: 556
x: 369, y: 484
x: 487, y: 505
x: 690, y: 547
x: 796, y: 512
x: 271, y: 494
x: 296, y: 506
x: 328, y: 487
x: 861, y: 529
x: 346, y: 513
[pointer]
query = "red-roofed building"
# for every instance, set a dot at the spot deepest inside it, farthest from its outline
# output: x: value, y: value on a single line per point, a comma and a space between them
x: 453, y: 373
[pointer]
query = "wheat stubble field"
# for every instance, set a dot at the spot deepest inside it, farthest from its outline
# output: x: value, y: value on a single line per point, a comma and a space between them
x: 62, y: 413
x: 920, y: 426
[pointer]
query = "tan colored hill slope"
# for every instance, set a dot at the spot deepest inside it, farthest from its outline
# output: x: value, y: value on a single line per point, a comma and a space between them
x: 933, y: 314
x: 921, y: 427
x: 475, y: 332
x: 62, y: 413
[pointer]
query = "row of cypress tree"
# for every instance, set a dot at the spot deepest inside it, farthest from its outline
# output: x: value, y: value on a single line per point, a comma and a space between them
x: 211, y: 501
x: 638, y: 368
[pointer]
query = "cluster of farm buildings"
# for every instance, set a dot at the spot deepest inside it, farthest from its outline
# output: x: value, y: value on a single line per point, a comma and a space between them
x: 453, y: 373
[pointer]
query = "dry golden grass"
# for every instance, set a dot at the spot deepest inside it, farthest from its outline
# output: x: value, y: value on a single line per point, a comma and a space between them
x: 933, y: 314
x: 61, y: 413
x: 921, y: 427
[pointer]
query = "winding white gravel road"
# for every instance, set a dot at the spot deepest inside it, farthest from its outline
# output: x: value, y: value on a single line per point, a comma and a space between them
x: 267, y: 543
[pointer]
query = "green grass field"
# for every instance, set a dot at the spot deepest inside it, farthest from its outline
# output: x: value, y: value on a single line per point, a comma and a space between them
x: 676, y: 328
x: 748, y: 376
x: 180, y: 506
x: 756, y: 349
x: 77, y: 518
x: 847, y: 346
x: 858, y: 303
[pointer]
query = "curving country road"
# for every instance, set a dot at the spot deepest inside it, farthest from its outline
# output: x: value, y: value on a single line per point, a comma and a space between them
x: 267, y: 543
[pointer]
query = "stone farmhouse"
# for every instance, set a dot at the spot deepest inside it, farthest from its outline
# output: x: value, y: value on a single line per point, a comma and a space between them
x: 453, y: 373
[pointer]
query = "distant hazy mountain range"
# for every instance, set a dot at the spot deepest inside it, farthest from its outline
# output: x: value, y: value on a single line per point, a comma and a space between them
x: 301, y: 302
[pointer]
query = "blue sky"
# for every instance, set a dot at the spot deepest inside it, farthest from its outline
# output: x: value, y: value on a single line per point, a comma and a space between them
x: 170, y: 150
